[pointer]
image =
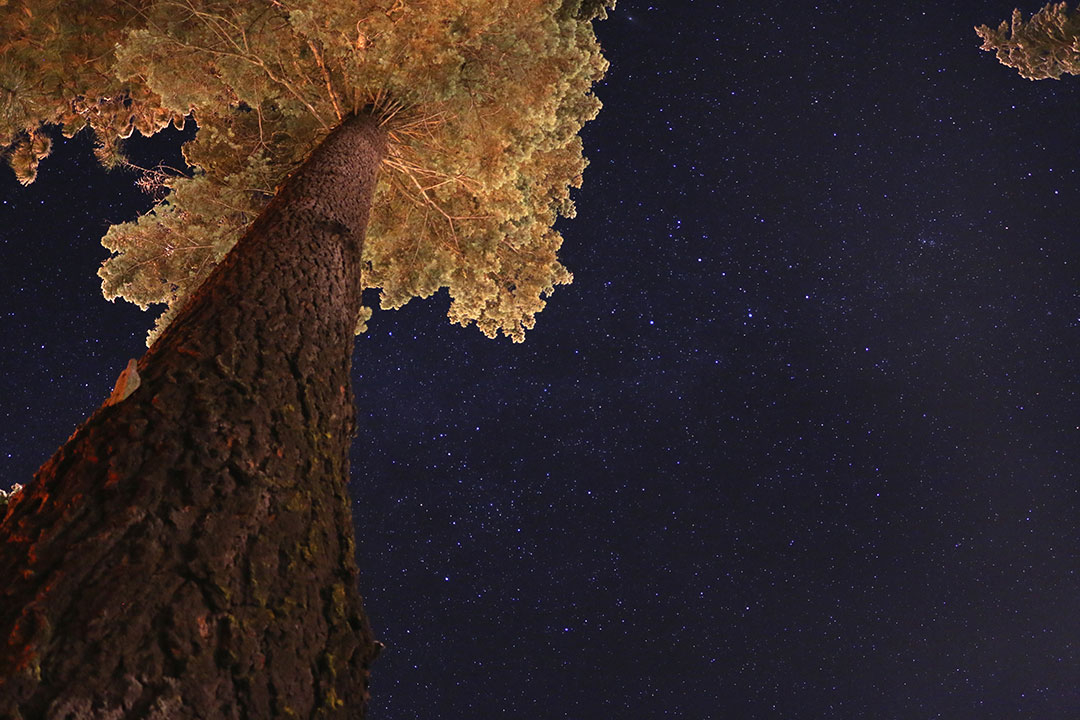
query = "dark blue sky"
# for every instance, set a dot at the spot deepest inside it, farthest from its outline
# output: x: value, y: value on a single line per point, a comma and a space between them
x: 800, y: 440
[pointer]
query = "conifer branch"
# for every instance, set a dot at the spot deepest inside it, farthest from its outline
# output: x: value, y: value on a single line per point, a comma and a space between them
x: 326, y: 79
x: 238, y: 51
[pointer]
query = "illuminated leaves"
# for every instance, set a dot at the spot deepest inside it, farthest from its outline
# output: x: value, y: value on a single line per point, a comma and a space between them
x: 1045, y: 46
x: 166, y: 253
x: 16, y: 98
x: 482, y: 100
x: 26, y: 153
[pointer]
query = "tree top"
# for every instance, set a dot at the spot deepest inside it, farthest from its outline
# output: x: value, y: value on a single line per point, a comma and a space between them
x: 482, y: 101
x: 1045, y: 46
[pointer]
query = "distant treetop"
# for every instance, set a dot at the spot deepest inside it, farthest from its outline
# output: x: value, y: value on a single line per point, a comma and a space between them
x: 1045, y: 46
x: 482, y: 100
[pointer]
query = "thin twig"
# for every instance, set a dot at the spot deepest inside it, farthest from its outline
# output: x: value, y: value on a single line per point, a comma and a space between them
x: 326, y: 78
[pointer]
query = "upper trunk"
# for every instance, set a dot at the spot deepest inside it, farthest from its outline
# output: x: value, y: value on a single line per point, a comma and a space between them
x: 188, y: 553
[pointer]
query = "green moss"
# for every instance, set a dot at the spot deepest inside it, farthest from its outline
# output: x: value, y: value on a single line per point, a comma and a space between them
x: 332, y: 700
x: 327, y: 664
x: 298, y: 502
x: 226, y: 594
x: 309, y: 550
x: 337, y: 600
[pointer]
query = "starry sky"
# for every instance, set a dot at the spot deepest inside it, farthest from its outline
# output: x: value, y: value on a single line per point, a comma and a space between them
x: 800, y: 440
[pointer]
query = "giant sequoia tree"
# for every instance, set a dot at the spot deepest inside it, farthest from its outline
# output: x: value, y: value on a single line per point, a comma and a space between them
x: 189, y: 551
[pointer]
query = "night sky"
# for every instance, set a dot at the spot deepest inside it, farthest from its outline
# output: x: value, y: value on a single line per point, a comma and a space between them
x: 801, y: 440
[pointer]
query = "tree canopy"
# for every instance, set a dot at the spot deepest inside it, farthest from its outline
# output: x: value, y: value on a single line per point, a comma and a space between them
x: 482, y: 100
x: 1045, y: 46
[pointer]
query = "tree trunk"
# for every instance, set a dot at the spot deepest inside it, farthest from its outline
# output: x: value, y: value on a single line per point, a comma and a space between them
x: 188, y: 553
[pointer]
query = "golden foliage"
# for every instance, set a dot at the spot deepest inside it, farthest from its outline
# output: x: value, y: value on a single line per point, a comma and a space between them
x: 1045, y: 46
x: 482, y: 99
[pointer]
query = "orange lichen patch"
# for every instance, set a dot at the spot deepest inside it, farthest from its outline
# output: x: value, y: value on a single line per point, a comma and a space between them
x: 41, y: 496
x: 22, y: 657
x: 112, y: 478
x: 16, y: 539
x: 86, y: 451
x: 47, y: 590
x: 22, y: 645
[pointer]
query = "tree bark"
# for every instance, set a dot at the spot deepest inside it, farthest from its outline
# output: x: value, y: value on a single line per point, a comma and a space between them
x: 188, y: 553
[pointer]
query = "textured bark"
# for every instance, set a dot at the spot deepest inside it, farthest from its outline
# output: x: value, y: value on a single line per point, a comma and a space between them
x: 188, y: 553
